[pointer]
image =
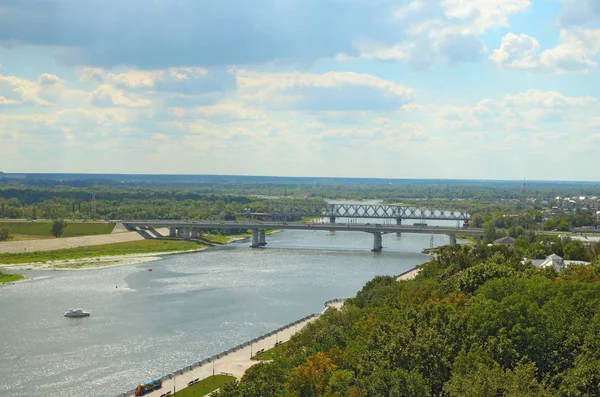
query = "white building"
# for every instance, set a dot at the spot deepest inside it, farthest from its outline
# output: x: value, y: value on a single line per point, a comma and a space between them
x: 552, y: 260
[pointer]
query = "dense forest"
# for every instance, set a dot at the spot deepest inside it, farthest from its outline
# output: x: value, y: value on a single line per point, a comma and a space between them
x: 391, y: 190
x: 475, y: 322
x: 125, y: 203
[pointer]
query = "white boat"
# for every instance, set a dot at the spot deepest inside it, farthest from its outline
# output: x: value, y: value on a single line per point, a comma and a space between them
x: 77, y: 313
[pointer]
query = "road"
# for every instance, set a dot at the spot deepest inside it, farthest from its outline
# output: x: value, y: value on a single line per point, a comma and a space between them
x: 354, y: 227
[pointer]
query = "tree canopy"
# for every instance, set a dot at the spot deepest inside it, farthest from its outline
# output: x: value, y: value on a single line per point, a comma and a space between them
x: 474, y: 322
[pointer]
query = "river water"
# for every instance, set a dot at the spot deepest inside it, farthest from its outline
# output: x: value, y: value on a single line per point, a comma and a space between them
x: 145, y: 324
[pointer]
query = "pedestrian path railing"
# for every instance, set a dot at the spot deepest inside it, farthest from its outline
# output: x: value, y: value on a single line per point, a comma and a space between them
x: 406, y: 272
x: 336, y: 300
x: 226, y: 352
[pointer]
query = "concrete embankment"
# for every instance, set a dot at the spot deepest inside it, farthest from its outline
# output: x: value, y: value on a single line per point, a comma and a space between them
x: 234, y: 361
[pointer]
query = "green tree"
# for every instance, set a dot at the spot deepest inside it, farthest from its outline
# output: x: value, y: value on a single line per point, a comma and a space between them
x: 4, y: 233
x: 475, y: 276
x: 475, y: 375
x: 58, y: 227
x: 490, y: 231
x: 575, y: 250
x: 311, y: 379
x: 583, y: 379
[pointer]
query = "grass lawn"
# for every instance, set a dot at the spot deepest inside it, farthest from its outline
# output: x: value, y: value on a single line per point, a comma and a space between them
x: 130, y: 247
x: 269, y: 354
x: 74, y: 229
x: 205, y: 386
x: 25, y: 237
x: 8, y: 278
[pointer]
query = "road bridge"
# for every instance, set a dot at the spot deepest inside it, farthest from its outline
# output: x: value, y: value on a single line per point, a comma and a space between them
x: 194, y: 229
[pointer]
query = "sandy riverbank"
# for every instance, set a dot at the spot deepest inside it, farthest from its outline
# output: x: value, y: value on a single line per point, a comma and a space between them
x: 101, y: 261
x: 51, y: 244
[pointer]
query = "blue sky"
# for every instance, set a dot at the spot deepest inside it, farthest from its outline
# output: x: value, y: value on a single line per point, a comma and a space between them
x: 485, y: 89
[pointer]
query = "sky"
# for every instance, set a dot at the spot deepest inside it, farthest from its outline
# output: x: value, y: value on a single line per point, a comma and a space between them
x: 473, y: 89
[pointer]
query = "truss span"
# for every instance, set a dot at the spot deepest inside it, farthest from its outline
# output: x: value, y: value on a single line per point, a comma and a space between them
x: 298, y: 209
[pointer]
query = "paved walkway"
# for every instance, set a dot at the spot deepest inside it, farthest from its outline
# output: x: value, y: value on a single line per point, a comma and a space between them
x: 71, y: 242
x: 235, y: 363
x: 409, y: 275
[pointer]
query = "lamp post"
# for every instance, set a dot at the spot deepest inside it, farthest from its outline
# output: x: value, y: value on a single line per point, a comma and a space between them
x: 250, y: 349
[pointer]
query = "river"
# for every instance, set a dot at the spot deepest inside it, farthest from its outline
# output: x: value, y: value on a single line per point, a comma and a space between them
x: 191, y: 306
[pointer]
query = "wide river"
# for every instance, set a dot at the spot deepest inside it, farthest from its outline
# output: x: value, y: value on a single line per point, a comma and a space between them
x: 145, y: 324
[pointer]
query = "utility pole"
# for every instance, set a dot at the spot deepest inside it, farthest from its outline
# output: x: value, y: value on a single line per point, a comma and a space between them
x: 431, y: 246
x: 93, y: 215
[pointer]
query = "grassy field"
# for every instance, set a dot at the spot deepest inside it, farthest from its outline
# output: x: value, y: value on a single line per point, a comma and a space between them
x: 268, y: 354
x: 131, y: 247
x: 8, y: 278
x: 205, y: 386
x: 43, y: 229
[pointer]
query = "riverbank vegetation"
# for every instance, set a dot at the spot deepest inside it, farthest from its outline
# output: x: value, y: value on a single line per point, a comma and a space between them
x: 475, y: 321
x: 205, y: 386
x: 8, y: 278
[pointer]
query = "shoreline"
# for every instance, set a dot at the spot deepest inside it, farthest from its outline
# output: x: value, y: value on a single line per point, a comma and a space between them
x: 102, y: 262
x: 236, y: 361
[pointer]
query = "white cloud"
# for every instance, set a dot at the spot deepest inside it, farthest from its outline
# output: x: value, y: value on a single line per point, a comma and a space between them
x: 546, y: 99
x: 517, y: 52
x: 175, y: 86
x: 16, y: 91
x: 221, y: 112
x: 532, y: 110
x: 441, y: 29
x: 574, y: 53
x: 108, y: 96
x: 331, y: 91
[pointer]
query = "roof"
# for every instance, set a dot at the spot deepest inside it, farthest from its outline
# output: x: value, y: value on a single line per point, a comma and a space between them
x: 505, y: 240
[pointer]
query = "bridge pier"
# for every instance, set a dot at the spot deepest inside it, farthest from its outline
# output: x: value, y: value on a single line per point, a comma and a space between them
x: 194, y: 233
x: 478, y: 241
x: 262, y: 238
x: 452, y: 239
x: 172, y: 231
x: 186, y: 233
x: 398, y: 223
x: 377, y: 242
x: 255, y: 242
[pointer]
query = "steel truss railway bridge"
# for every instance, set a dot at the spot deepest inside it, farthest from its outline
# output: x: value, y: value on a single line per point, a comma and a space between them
x: 295, y: 209
x: 279, y: 214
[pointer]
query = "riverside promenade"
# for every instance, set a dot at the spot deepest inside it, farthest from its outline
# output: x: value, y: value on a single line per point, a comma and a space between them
x: 236, y: 362
x: 409, y: 275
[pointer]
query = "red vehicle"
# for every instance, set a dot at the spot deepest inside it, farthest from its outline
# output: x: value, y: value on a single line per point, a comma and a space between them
x: 466, y: 224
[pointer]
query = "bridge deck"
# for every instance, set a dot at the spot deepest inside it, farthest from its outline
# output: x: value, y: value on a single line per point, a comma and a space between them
x: 352, y: 227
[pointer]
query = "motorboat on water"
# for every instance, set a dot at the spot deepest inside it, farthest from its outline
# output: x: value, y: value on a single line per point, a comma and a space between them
x: 77, y: 313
